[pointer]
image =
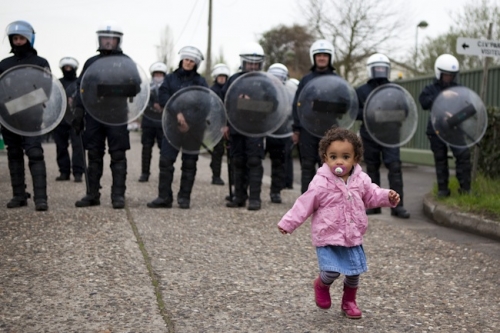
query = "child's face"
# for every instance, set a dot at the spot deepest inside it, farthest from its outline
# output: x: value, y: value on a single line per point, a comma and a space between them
x: 340, y: 158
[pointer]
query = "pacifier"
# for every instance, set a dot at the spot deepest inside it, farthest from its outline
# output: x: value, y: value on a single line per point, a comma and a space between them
x: 338, y: 170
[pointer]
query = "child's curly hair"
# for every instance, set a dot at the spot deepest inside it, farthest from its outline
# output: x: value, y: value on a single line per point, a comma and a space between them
x: 340, y: 134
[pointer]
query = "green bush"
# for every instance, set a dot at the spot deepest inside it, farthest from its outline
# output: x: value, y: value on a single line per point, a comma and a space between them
x: 489, y: 147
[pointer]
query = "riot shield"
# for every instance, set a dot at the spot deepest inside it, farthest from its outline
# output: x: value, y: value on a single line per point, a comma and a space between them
x: 32, y: 100
x: 285, y: 130
x: 256, y: 104
x: 327, y: 101
x: 150, y: 112
x: 459, y: 117
x: 390, y: 115
x: 114, y: 90
x: 204, y: 116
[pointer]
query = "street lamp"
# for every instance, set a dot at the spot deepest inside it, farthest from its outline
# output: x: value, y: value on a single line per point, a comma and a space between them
x: 423, y: 25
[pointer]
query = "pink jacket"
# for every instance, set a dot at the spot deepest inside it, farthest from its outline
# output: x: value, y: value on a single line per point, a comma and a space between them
x: 338, y: 209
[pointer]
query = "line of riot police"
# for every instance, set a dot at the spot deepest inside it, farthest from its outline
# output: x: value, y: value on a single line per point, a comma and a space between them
x: 248, y: 114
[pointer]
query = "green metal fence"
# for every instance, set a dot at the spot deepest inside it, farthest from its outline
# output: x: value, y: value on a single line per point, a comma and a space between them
x: 417, y: 150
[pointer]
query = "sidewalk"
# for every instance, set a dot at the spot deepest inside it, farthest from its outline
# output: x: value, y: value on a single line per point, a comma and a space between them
x: 216, y: 269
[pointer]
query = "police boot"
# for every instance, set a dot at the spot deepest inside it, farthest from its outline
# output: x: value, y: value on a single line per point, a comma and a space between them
x: 119, y: 174
x: 164, y: 199
x: 16, y: 169
x: 216, y: 163
x: 307, y: 173
x: 92, y: 198
x: 39, y: 176
x: 145, y: 163
x: 62, y: 177
x: 372, y: 170
x: 240, y: 183
x: 255, y: 173
x: 395, y: 178
x: 277, y: 179
x: 463, y: 171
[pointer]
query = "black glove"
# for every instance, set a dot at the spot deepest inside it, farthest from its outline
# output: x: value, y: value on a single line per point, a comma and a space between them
x: 77, y: 123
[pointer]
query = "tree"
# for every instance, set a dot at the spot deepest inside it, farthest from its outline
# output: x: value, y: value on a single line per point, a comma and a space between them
x: 471, y: 21
x: 289, y: 46
x: 165, y: 49
x: 357, y: 29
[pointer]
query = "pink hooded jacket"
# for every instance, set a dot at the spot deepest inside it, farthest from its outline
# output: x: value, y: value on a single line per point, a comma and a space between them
x: 338, y: 209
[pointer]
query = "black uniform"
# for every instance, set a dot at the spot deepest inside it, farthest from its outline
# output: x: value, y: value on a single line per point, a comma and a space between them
x: 95, y: 136
x: 151, y: 131
x: 373, y: 151
x: 63, y: 134
x: 173, y: 82
x: 218, y: 151
x: 308, y: 143
x: 440, y: 148
x: 246, y: 155
x: 17, y: 145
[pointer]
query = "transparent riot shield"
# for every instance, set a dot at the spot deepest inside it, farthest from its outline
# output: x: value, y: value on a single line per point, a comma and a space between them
x: 32, y: 100
x: 194, y: 119
x: 256, y: 104
x: 390, y: 115
x: 285, y: 130
x: 327, y: 101
x: 114, y: 90
x: 459, y: 117
x: 150, y: 112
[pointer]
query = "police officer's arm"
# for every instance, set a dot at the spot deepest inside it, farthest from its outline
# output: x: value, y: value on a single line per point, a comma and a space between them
x: 361, y: 102
x: 296, y: 126
x: 427, y: 96
x: 164, y: 91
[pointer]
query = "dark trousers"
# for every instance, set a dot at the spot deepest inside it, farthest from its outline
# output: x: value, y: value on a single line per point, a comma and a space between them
x: 63, y: 135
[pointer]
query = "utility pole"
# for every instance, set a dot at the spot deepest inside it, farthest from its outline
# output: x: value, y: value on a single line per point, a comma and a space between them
x: 208, y: 62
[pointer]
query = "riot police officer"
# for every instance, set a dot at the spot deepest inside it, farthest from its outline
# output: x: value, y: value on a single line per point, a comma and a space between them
x: 22, y: 40
x: 379, y: 69
x: 110, y: 37
x: 446, y: 69
x: 151, y: 120
x: 277, y: 147
x: 220, y: 74
x: 64, y: 133
x: 246, y: 152
x: 322, y: 57
x: 184, y: 76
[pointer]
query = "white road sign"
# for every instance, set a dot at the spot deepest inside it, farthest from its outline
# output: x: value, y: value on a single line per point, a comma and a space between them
x: 478, y: 47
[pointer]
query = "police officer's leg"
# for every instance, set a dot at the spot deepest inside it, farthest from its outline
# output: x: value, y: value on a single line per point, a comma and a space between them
x: 239, y: 169
x: 94, y: 140
x: 288, y: 163
x: 440, y: 152
x: 276, y: 149
x: 463, y: 168
x: 216, y: 163
x: 308, y: 146
x: 15, y: 157
x: 36, y: 164
x: 77, y: 156
x: 168, y: 154
x: 255, y: 152
x: 391, y: 157
x: 118, y: 167
x: 147, y: 140
x: 187, y: 180
x: 61, y: 139
x: 371, y: 156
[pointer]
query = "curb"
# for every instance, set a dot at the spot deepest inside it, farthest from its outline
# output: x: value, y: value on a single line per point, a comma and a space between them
x: 448, y: 217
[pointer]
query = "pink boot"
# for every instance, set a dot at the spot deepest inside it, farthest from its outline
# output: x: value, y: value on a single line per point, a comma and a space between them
x: 322, y: 294
x: 349, y: 307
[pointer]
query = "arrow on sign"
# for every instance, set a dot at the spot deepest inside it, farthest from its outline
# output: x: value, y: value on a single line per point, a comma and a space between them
x: 465, y: 46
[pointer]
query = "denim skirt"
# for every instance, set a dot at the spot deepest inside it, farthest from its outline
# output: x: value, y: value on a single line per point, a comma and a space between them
x: 344, y: 260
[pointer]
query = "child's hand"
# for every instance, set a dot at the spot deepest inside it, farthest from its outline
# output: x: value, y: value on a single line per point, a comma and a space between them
x: 284, y: 232
x: 393, y: 197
